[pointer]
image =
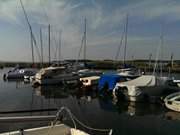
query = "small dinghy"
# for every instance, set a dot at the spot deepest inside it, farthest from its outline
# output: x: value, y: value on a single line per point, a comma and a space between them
x: 172, y: 101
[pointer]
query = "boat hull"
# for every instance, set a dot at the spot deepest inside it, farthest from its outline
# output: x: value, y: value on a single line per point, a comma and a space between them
x: 151, y: 94
x: 172, y: 101
x: 173, y: 106
x: 56, y: 80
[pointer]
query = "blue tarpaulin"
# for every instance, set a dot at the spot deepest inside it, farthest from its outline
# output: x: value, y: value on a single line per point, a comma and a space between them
x: 110, y: 80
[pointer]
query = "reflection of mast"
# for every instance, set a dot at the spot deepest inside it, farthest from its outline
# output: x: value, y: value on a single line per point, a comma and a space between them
x: 32, y: 100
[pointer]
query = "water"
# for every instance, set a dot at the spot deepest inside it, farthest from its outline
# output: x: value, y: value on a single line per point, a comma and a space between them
x: 98, y: 112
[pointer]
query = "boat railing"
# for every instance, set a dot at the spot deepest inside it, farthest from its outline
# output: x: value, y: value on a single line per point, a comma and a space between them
x: 171, y: 95
x: 75, y: 119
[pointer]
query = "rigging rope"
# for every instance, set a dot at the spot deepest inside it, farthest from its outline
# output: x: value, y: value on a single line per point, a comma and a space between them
x: 82, y: 41
x: 73, y: 118
x: 156, y: 61
x: 120, y: 45
x: 30, y: 29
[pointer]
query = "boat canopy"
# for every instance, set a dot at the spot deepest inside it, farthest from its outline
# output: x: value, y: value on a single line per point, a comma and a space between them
x: 144, y: 80
x: 110, y: 80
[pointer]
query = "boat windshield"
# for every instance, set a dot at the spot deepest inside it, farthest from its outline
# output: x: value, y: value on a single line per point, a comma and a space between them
x: 51, y: 70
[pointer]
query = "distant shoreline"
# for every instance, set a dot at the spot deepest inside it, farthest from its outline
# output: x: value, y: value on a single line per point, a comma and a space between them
x: 144, y: 65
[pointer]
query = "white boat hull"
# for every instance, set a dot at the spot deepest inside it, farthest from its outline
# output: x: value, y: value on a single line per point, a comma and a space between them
x: 146, y: 87
x: 173, y: 106
x: 151, y: 94
x: 172, y: 101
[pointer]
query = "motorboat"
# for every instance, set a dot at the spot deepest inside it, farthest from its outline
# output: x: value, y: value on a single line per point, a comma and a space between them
x: 145, y: 87
x: 19, y: 73
x: 107, y: 81
x: 129, y: 73
x: 177, y: 82
x: 90, y: 82
x: 55, y: 75
x: 172, y: 101
x: 88, y: 72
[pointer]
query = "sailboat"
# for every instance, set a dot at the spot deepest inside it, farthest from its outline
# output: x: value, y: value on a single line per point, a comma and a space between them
x: 146, y: 87
x: 127, y: 71
x: 19, y: 72
x: 88, y: 77
x: 55, y: 74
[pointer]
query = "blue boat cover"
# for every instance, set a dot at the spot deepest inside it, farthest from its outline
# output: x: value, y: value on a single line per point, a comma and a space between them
x: 110, y: 79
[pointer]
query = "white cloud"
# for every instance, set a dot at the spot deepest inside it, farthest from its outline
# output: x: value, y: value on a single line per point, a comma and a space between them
x: 104, y: 26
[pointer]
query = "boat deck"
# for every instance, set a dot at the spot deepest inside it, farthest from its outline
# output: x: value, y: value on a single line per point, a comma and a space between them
x: 48, y: 130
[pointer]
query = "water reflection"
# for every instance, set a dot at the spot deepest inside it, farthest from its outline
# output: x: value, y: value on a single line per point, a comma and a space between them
x: 88, y: 107
x: 51, y: 92
x: 81, y: 97
x: 139, y: 109
x: 170, y: 115
x: 64, y: 92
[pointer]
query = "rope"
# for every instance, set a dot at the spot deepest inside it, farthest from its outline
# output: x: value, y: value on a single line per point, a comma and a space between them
x: 95, y: 129
x: 120, y: 45
x: 31, y: 31
x: 73, y: 118
x: 57, y: 116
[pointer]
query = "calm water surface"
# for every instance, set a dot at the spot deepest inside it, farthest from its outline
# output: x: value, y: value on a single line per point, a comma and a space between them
x: 124, y: 118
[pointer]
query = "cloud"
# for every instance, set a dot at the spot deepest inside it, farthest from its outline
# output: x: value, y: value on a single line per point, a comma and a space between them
x: 104, y: 22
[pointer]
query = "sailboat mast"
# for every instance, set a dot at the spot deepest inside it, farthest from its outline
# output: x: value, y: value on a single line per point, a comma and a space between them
x: 162, y: 43
x: 30, y: 29
x: 49, y: 43
x: 41, y: 42
x: 150, y: 56
x: 172, y: 62
x: 85, y: 40
x: 32, y: 48
x: 60, y: 36
x: 126, y: 32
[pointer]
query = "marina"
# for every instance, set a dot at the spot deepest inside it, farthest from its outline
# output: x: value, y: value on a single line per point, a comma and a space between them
x: 117, y: 115
x: 89, y: 67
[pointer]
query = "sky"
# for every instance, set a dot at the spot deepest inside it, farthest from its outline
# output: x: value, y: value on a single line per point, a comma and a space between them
x: 150, y: 22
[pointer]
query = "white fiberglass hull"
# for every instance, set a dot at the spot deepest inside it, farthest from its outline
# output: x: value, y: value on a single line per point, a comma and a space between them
x: 172, y: 101
x: 56, y: 80
x: 151, y: 93
x: 54, y: 130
